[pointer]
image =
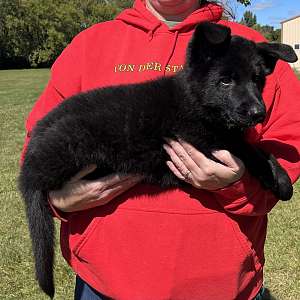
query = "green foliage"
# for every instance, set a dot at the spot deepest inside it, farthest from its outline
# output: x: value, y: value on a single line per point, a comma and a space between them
x: 123, y: 3
x: 249, y: 19
x: 245, y: 2
x: 37, y: 31
x: 269, y: 33
x: 34, y: 32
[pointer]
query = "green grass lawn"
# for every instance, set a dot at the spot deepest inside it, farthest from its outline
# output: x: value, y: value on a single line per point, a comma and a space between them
x: 18, y: 91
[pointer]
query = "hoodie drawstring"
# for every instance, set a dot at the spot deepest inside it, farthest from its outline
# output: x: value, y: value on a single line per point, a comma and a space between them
x: 152, y: 30
x: 172, y: 51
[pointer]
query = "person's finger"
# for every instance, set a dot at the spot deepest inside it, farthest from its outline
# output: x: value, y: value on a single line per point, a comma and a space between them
x: 175, y: 171
x: 87, y: 170
x: 105, y: 197
x: 228, y: 159
x: 196, y: 155
x: 184, y: 155
x: 179, y: 164
x: 112, y: 180
x: 118, y: 189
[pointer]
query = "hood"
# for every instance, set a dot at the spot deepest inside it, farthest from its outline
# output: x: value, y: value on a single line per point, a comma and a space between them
x: 140, y: 17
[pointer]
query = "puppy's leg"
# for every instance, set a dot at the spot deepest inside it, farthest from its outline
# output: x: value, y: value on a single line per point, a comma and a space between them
x: 266, y: 168
x: 283, y: 185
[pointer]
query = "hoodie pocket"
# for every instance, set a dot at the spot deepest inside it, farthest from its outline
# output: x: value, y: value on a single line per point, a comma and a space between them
x: 167, y: 256
x: 92, y: 230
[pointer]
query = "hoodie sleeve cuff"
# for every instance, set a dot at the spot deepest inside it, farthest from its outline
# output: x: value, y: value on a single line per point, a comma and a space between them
x: 246, y: 197
x: 57, y: 213
x: 239, y: 190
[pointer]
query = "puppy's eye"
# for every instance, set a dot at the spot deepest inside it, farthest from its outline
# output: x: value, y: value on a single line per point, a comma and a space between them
x: 226, y: 81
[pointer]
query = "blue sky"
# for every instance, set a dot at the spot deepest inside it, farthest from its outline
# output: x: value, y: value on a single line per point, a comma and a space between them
x: 270, y: 12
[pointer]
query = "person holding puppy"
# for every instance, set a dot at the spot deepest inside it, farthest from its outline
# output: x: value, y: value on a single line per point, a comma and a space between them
x: 128, y: 240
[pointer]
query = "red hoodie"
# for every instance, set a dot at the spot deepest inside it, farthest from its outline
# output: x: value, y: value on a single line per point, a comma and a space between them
x: 180, y: 244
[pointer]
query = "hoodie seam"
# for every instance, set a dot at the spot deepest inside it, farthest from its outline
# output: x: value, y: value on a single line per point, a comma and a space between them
x: 170, y: 212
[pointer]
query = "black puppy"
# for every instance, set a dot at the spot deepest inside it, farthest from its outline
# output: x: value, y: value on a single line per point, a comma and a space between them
x: 121, y: 129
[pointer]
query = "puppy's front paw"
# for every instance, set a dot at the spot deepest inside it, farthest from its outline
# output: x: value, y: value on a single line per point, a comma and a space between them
x: 283, y: 188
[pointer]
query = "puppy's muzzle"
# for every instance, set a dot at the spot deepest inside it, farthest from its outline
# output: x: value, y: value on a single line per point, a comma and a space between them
x: 257, y: 114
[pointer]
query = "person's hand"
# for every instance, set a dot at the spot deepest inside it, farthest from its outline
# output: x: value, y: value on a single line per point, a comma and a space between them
x: 192, y: 166
x: 79, y: 194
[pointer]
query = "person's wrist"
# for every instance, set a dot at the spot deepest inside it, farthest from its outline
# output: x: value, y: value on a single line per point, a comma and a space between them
x: 56, y: 200
x: 235, y: 185
x: 56, y: 212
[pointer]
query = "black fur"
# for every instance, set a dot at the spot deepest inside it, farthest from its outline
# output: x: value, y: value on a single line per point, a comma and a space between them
x: 121, y: 129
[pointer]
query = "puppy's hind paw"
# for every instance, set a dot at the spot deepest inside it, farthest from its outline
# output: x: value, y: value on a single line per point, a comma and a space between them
x: 284, y: 188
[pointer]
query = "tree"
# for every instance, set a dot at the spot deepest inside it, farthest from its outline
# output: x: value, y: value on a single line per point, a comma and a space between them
x: 37, y: 31
x: 33, y: 33
x: 245, y: 2
x: 7, y: 53
x: 268, y: 32
x: 123, y: 3
x: 249, y: 19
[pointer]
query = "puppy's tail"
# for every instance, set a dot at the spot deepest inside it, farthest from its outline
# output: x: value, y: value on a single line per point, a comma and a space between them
x: 41, y: 227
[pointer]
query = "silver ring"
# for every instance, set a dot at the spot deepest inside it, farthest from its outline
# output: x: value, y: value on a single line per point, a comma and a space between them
x: 188, y: 175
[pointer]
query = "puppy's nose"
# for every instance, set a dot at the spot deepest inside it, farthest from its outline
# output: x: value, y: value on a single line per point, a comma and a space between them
x: 257, y: 114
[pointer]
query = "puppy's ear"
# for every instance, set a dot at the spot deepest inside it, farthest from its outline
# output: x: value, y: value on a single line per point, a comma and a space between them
x: 212, y: 33
x: 208, y: 41
x: 271, y: 52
